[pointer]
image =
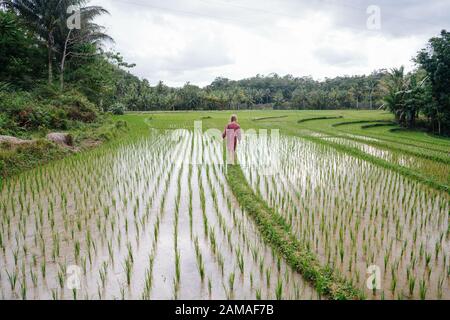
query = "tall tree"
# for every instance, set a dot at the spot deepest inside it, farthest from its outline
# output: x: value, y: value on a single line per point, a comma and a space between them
x: 70, y: 42
x: 48, y: 19
x: 394, y: 85
x: 435, y: 60
x: 42, y: 16
x: 21, y: 54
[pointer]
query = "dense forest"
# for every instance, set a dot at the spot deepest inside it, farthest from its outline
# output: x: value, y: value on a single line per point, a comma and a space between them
x: 52, y: 75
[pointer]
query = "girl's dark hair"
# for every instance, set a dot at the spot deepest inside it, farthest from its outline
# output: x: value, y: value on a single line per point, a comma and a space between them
x: 233, y: 118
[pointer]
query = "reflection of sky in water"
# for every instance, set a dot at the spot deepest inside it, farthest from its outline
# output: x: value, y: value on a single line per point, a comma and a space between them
x: 332, y: 200
x: 128, y: 193
x: 361, y: 137
x: 437, y: 170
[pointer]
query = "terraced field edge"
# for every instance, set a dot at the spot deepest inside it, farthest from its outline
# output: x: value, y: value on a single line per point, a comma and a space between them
x: 385, y: 164
x: 277, y: 233
x: 318, y: 118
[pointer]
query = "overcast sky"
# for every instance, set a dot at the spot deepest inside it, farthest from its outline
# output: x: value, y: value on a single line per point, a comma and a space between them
x: 198, y: 40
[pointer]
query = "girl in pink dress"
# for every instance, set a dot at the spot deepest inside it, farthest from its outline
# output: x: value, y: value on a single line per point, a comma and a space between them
x: 232, y: 133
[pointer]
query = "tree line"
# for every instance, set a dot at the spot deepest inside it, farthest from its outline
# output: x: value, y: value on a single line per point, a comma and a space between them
x: 42, y: 54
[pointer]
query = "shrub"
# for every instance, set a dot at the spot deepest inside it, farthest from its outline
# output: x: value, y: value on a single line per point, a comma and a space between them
x: 24, y: 112
x: 121, y: 124
x: 46, y: 91
x: 77, y: 106
x: 59, y: 119
x: 47, y: 109
x: 117, y: 109
x: 13, y: 103
x: 14, y: 106
x: 28, y: 155
x: 4, y: 124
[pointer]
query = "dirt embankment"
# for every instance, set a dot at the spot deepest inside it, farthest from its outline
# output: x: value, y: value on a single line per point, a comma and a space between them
x: 62, y: 139
x: 13, y: 141
x: 59, y: 138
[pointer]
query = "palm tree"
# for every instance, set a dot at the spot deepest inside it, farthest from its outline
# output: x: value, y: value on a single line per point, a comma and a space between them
x: 394, y: 85
x: 68, y: 40
x: 48, y: 19
x: 42, y: 17
x: 404, y: 95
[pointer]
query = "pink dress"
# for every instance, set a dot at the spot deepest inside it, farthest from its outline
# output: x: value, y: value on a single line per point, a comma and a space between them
x: 233, y: 133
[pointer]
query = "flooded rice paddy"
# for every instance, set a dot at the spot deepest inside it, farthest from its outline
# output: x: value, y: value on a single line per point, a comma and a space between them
x: 152, y: 219
x: 436, y: 170
x: 356, y: 217
x: 155, y: 219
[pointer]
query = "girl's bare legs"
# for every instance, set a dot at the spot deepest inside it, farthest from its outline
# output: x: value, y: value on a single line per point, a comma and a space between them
x: 231, y: 156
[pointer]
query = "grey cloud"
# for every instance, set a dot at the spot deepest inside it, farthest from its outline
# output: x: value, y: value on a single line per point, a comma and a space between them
x: 399, y: 17
x: 339, y: 57
x: 198, y: 55
x: 202, y: 55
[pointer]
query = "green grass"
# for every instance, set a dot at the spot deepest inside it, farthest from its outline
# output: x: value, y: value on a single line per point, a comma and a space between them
x: 317, y: 118
x: 345, y: 123
x: 269, y: 118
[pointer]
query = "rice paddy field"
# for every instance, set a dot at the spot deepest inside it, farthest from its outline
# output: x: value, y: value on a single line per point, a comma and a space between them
x: 157, y: 214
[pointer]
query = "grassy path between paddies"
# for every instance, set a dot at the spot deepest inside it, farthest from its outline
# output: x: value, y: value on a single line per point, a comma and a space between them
x: 389, y: 144
x: 277, y: 232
